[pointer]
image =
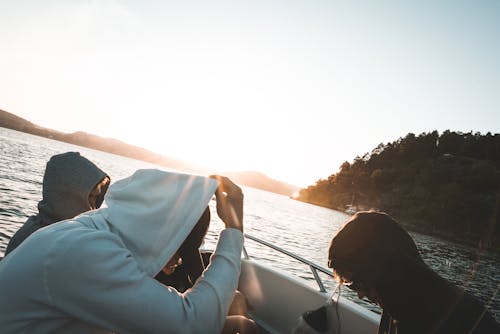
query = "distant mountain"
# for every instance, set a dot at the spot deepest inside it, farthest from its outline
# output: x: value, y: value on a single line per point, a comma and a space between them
x: 261, y: 181
x: 110, y: 145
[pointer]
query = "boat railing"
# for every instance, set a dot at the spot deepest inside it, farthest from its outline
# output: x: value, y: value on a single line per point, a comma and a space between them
x: 313, y: 267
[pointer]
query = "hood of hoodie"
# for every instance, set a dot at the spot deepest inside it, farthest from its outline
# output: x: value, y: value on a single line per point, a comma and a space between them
x: 154, y: 211
x: 68, y: 180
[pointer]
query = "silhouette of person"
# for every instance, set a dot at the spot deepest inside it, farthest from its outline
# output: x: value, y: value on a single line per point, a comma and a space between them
x: 72, y: 184
x: 374, y: 256
x: 97, y: 270
x: 188, y: 264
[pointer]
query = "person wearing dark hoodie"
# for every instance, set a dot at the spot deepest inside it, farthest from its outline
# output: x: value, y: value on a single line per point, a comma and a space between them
x: 374, y: 256
x: 97, y: 270
x: 72, y: 185
x: 182, y: 275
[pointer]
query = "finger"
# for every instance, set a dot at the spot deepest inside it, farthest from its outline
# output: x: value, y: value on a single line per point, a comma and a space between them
x: 214, y: 176
x: 229, y: 186
x: 217, y: 178
x: 220, y: 188
x: 227, y: 189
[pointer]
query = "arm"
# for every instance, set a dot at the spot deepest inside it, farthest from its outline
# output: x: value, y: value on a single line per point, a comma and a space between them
x: 229, y: 202
x: 97, y: 281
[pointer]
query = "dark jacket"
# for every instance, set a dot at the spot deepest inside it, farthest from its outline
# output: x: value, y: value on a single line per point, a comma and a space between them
x: 68, y: 180
x: 443, y: 309
x: 470, y: 316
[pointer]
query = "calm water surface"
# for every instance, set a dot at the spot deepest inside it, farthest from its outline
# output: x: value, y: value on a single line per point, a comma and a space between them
x: 295, y: 226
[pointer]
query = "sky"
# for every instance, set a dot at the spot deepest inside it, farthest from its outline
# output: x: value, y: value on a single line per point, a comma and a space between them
x: 290, y: 88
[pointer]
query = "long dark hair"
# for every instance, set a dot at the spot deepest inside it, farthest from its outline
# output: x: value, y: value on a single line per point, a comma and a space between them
x: 374, y: 249
x: 370, y: 245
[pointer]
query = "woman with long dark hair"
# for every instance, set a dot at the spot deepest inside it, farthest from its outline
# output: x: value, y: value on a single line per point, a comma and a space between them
x: 377, y: 258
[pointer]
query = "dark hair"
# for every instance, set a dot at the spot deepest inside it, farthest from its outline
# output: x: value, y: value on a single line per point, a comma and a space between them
x: 371, y: 246
x: 197, y: 234
x: 189, y: 252
x: 104, y: 189
x: 192, y: 263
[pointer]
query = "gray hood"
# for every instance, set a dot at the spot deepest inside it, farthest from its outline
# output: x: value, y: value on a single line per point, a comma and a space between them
x: 154, y: 211
x: 68, y: 180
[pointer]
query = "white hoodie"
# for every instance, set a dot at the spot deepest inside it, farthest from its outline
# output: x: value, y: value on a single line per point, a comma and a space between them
x: 94, y: 273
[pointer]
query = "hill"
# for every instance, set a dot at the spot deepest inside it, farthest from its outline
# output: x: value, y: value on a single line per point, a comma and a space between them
x: 446, y: 185
x: 264, y: 182
x: 110, y: 145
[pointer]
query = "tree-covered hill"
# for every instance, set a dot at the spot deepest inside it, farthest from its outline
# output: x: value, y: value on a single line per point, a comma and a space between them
x: 446, y: 185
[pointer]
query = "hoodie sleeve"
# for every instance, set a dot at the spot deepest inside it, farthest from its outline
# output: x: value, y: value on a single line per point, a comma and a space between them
x: 96, y: 280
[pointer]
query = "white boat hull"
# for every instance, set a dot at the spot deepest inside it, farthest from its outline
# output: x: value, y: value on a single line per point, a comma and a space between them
x: 276, y: 300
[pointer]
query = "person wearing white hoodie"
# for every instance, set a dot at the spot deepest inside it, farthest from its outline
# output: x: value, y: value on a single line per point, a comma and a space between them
x: 95, y: 273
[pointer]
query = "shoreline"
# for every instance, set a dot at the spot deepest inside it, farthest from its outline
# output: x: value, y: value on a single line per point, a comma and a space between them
x: 413, y: 226
x: 450, y: 237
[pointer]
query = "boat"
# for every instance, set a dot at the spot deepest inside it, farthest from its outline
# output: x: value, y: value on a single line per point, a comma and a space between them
x: 351, y: 209
x: 276, y: 299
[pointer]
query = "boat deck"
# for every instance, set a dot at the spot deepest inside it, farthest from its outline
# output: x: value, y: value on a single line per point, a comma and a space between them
x: 276, y: 299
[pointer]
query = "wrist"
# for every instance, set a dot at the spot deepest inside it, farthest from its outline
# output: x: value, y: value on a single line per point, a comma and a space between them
x: 235, y: 228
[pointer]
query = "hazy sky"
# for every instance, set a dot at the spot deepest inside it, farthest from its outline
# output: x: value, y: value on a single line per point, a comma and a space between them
x: 288, y: 88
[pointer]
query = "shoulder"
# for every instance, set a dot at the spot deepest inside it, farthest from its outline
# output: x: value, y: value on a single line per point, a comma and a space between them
x: 82, y: 245
x: 487, y: 324
x: 477, y: 312
x: 88, y: 256
x: 469, y: 313
x: 58, y: 246
x: 29, y: 227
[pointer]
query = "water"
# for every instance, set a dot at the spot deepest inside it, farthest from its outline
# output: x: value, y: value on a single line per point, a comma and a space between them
x: 298, y: 227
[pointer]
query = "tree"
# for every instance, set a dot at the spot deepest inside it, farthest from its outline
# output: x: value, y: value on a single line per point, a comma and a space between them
x: 442, y: 184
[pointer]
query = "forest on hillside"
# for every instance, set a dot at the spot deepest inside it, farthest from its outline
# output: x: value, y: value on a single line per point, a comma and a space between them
x: 445, y: 185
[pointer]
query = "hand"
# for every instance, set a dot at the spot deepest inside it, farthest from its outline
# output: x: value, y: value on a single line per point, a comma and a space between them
x: 229, y: 202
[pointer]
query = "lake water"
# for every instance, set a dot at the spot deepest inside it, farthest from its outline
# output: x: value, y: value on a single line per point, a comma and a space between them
x: 298, y: 227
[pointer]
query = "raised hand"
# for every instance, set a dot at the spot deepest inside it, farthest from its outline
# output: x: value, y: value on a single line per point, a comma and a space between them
x: 229, y: 202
